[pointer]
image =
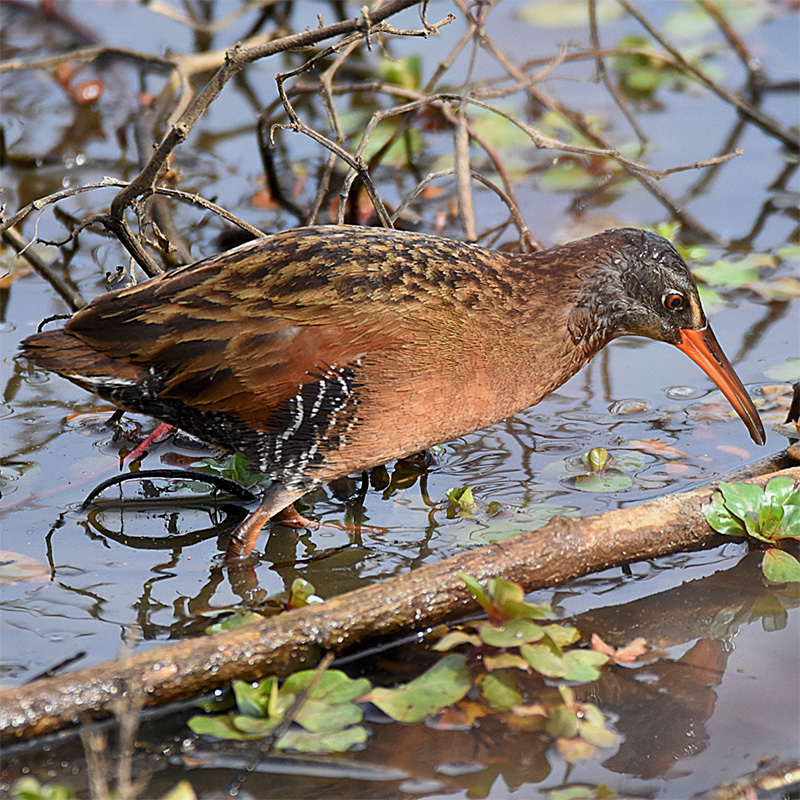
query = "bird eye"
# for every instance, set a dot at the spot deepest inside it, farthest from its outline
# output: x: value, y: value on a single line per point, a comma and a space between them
x: 673, y: 301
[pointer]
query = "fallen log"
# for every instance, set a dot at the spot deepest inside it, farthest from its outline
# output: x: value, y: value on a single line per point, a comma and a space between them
x: 563, y: 549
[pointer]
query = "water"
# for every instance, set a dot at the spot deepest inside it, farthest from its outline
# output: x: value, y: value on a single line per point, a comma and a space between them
x: 716, y: 698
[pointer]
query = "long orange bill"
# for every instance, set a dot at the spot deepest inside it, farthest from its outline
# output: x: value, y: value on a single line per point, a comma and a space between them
x: 703, y: 348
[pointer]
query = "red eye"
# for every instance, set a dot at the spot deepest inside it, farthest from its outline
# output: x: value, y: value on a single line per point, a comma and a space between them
x: 673, y: 301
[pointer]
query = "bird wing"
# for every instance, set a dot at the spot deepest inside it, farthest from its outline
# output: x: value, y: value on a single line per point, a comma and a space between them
x: 223, y: 336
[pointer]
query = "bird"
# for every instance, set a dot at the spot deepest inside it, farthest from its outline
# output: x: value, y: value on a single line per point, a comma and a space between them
x: 322, y: 351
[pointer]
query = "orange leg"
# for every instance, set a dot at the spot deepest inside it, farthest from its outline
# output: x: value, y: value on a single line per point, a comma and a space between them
x: 277, y: 499
x: 158, y: 435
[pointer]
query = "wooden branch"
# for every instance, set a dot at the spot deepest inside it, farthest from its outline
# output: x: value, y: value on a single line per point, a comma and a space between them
x: 236, y: 59
x: 560, y: 551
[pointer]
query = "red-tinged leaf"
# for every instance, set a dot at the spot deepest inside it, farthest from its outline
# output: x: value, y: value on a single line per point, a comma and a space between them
x: 16, y: 567
x: 655, y: 447
x: 458, y: 717
x: 622, y: 655
x: 263, y: 199
x: 734, y: 451
x: 677, y: 469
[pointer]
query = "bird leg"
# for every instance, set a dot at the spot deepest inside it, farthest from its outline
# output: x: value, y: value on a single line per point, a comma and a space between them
x: 276, y: 499
x: 158, y: 435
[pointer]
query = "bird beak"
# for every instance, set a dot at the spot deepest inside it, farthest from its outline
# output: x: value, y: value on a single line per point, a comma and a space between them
x: 703, y: 348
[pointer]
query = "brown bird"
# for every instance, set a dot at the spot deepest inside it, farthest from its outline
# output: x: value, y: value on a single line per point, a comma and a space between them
x: 319, y: 352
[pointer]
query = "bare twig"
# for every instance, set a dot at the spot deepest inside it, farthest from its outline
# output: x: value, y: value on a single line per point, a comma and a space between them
x: 268, y: 742
x: 600, y: 63
x: 195, y: 199
x: 70, y: 295
x: 516, y: 217
x: 751, y: 64
x: 641, y: 174
x: 766, y: 122
x: 236, y: 59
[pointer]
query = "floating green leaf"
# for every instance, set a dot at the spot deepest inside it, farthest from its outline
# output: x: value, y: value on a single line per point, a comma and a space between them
x: 573, y: 665
x: 562, y: 635
x: 254, y: 727
x: 504, y: 660
x: 328, y: 715
x: 640, y: 72
x: 579, y: 792
x: 609, y: 480
x: 445, y: 683
x: 332, y: 742
x: 694, y: 22
x: 544, y: 660
x: 220, y: 726
x: 734, y: 274
x: 237, y: 620
x: 454, y: 639
x: 790, y: 252
x: 711, y: 300
x: 568, y: 175
x: 500, y: 690
x: 330, y: 705
x: 563, y: 723
x: 598, y: 735
x: 582, y: 665
x: 235, y: 468
x: 780, y: 567
x: 779, y: 289
x: 512, y: 633
x: 787, y: 371
x: 402, y: 72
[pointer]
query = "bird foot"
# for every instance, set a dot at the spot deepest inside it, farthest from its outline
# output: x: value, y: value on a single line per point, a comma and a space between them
x: 292, y: 517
